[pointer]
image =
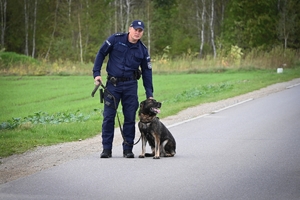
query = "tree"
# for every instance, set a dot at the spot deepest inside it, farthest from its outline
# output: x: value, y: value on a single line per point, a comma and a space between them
x: 287, y: 22
x: 163, y: 23
x: 34, y: 29
x: 26, y: 17
x: 80, y: 35
x: 250, y: 24
x: 201, y: 21
x: 53, y: 31
x: 74, y: 29
x: 211, y: 25
x: 3, y: 5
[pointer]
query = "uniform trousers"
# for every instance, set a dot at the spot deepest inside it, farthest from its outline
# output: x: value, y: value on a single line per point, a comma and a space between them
x: 126, y: 93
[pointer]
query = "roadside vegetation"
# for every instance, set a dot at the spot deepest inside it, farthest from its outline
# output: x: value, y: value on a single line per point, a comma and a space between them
x: 49, y: 103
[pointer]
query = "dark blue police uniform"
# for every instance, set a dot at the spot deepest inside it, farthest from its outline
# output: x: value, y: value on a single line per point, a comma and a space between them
x: 125, y: 59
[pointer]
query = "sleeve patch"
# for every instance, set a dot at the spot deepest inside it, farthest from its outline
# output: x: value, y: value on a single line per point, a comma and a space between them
x: 107, y: 42
x: 149, y: 65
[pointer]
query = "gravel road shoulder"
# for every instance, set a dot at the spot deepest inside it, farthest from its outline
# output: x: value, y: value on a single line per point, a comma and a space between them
x: 17, y: 166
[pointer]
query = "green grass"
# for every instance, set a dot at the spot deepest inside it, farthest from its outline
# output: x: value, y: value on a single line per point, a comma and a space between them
x: 178, y: 92
x: 50, y: 102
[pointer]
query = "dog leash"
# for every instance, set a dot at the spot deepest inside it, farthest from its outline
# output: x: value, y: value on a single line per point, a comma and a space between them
x: 115, y: 106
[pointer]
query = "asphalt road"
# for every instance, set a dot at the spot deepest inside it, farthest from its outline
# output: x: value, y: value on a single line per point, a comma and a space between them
x: 249, y: 151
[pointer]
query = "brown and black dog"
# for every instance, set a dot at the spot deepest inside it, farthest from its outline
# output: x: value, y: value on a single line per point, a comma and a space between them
x: 154, y: 131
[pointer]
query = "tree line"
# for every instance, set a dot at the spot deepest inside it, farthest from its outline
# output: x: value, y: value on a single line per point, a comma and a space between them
x: 74, y: 29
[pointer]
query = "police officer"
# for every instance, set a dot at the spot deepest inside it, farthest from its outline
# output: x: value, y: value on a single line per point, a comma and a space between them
x: 128, y: 60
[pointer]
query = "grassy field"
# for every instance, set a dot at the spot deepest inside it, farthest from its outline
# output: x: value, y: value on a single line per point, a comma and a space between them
x: 46, y: 110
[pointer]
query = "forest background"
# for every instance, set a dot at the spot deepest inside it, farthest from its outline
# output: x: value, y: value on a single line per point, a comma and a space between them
x: 225, y: 31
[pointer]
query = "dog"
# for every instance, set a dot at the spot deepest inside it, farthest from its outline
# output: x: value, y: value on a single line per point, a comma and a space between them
x: 154, y: 132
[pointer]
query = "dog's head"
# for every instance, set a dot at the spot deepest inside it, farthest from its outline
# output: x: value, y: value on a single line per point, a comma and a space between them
x: 150, y: 107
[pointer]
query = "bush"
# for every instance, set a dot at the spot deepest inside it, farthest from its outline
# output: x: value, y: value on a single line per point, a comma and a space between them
x: 8, y: 59
x: 276, y: 57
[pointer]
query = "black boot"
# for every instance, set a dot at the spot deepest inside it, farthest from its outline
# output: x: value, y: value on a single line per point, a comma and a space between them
x: 128, y: 153
x: 106, y: 153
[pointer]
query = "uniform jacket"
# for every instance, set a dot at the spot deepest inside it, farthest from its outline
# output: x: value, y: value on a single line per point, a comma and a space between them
x: 124, y: 59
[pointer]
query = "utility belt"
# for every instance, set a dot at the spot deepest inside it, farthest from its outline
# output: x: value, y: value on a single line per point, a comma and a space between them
x: 115, y: 80
x: 119, y: 79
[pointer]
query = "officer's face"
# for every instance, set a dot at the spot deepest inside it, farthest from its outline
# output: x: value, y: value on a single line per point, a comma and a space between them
x: 135, y: 34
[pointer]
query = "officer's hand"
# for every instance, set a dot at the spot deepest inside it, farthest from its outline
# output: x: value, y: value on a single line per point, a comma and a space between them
x: 98, y: 80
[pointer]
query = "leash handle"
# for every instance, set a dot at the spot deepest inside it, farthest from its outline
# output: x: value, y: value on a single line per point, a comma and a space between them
x: 96, y: 88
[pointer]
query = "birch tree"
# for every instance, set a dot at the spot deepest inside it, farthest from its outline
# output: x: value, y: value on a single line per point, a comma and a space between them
x: 80, y: 37
x: 287, y: 21
x: 116, y: 16
x: 200, y: 24
x: 69, y: 16
x: 34, y: 29
x: 26, y: 16
x: 128, y: 6
x: 148, y: 27
x: 54, y: 30
x: 123, y: 12
x: 69, y: 10
x: 87, y: 26
x: 212, y: 29
x: 30, y: 26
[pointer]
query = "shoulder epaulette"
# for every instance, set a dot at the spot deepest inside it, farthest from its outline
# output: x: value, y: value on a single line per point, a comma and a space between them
x: 120, y: 34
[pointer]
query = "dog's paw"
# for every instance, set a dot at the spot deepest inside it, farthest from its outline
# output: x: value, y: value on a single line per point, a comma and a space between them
x: 149, y: 154
x: 169, y: 155
x: 156, y: 157
x: 141, y: 156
